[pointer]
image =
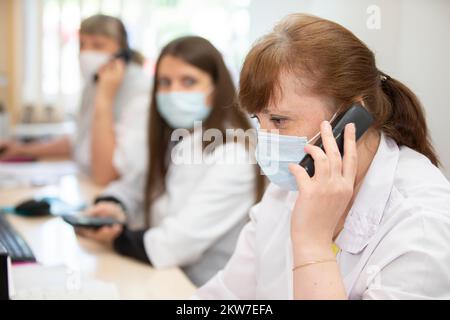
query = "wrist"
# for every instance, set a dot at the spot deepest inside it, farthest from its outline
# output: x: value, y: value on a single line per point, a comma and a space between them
x: 106, y: 89
x: 103, y: 106
x: 103, y: 98
x: 305, y: 250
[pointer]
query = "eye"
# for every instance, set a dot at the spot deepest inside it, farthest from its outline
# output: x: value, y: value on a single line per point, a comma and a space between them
x: 278, y: 121
x: 163, y: 82
x: 188, y: 82
x: 97, y: 45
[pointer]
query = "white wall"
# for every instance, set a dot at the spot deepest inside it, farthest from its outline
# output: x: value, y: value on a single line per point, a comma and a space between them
x: 412, y: 45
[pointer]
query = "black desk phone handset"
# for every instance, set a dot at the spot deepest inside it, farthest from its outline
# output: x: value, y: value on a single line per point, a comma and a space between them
x: 356, y: 114
x: 124, y: 54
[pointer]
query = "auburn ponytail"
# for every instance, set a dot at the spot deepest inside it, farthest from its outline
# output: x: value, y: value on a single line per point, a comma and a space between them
x: 404, y: 119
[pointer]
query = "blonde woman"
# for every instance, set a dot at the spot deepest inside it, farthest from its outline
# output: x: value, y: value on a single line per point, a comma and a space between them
x: 112, y: 121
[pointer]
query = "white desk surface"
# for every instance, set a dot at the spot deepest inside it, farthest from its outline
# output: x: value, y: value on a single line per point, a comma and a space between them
x: 55, y: 243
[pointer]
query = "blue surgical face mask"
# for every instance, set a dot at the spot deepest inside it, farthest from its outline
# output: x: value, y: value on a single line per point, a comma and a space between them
x: 182, y: 109
x: 274, y: 152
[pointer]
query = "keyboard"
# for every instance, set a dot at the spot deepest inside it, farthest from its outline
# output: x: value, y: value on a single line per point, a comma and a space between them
x: 17, y: 248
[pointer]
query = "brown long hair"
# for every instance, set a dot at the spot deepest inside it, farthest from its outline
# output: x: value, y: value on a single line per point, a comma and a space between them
x: 200, y: 53
x: 336, y: 64
x: 110, y: 27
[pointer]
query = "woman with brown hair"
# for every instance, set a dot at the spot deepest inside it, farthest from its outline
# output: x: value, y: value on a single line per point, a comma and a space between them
x: 195, y: 198
x: 373, y: 224
x: 111, y: 126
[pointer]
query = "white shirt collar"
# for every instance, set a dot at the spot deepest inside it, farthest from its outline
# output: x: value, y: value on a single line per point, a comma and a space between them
x: 365, y: 215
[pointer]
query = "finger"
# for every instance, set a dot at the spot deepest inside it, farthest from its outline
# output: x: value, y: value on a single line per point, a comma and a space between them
x: 331, y: 148
x: 104, y: 232
x: 119, y: 63
x: 350, y: 160
x: 301, y: 176
x: 102, y: 69
x: 97, y: 211
x: 321, y: 163
x: 84, y: 232
x: 108, y: 233
x: 119, y: 67
x: 96, y: 234
x: 117, y: 229
x: 78, y: 231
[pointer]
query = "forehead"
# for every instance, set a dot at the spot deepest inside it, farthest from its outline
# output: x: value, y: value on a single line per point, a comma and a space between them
x: 95, y: 37
x: 173, y: 66
x: 293, y: 95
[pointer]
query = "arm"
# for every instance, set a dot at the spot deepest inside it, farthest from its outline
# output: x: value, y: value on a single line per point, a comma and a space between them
x: 319, y: 207
x: 59, y: 147
x: 131, y: 243
x: 130, y: 154
x: 103, y: 139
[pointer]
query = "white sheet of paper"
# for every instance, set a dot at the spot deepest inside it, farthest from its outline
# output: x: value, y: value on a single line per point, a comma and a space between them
x: 34, y: 281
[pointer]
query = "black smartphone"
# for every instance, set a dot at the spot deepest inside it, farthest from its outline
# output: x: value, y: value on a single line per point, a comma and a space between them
x: 124, y: 54
x: 356, y: 114
x: 80, y: 221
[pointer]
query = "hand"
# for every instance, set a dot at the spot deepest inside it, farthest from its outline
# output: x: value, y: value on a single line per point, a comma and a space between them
x: 105, y: 235
x: 110, y: 76
x: 107, y: 209
x: 9, y: 149
x: 323, y: 199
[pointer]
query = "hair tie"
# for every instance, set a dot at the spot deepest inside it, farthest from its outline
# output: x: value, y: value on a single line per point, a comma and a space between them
x: 383, y: 76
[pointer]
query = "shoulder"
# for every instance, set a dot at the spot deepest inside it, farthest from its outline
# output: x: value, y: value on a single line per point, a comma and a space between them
x: 417, y: 214
x: 419, y: 186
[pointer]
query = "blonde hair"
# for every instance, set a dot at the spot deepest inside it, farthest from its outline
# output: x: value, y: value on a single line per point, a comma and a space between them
x: 113, y: 28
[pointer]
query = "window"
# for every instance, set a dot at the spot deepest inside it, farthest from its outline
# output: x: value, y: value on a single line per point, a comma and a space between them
x: 150, y: 25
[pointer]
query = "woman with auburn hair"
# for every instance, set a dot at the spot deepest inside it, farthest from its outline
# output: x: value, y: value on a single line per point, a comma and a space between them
x: 372, y: 224
x: 186, y: 213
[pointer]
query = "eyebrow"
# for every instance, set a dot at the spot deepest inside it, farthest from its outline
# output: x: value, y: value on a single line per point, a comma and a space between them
x: 277, y: 112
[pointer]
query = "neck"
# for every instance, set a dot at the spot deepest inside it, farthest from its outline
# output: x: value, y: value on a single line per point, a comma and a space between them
x: 367, y: 147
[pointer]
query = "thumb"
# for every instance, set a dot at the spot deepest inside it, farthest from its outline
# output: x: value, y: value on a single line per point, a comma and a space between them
x: 95, y: 211
x: 301, y: 176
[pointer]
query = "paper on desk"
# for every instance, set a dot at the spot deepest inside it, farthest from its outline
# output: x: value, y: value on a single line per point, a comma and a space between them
x: 57, y: 283
x: 34, y: 173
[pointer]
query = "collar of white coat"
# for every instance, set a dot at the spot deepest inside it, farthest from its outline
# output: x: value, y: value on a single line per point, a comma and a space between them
x: 364, y: 217
x: 370, y: 203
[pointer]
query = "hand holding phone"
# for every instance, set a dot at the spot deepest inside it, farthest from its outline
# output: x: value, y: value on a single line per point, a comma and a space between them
x: 90, y: 222
x: 124, y: 54
x: 356, y: 114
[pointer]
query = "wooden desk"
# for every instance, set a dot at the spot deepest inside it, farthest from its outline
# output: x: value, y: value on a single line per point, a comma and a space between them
x: 54, y: 243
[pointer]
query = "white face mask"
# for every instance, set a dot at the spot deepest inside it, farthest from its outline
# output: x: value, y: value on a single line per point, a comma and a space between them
x: 91, y: 62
